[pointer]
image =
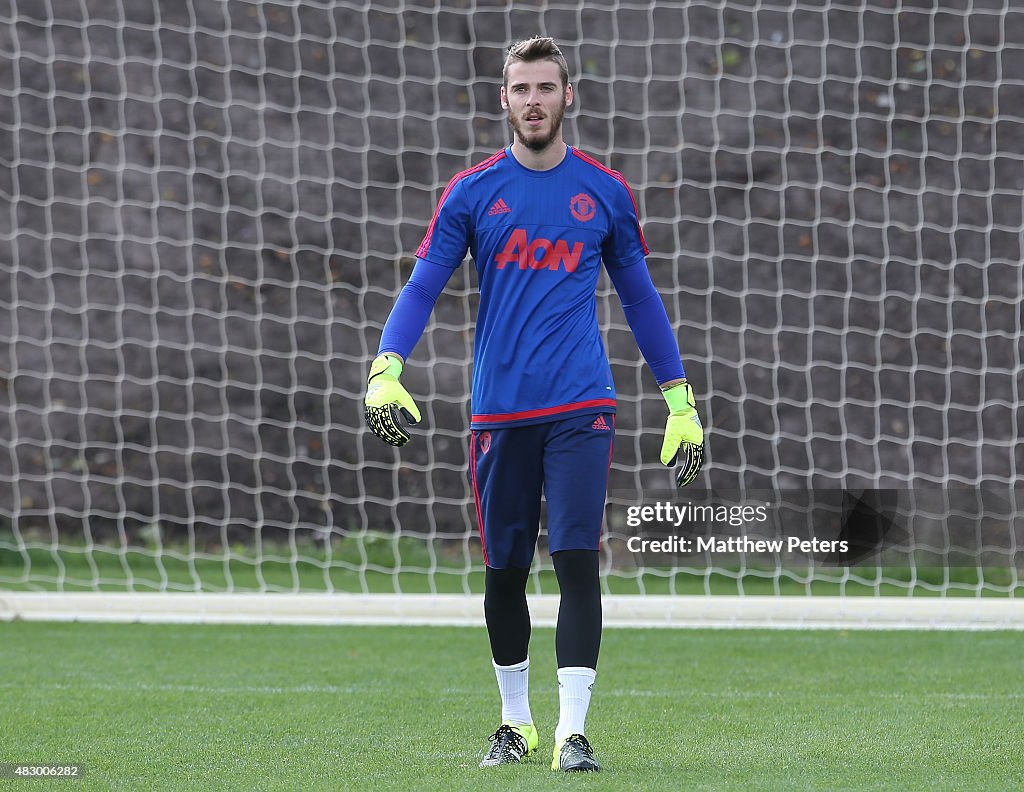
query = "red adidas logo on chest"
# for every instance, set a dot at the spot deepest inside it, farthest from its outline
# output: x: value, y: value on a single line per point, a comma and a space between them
x: 500, y: 207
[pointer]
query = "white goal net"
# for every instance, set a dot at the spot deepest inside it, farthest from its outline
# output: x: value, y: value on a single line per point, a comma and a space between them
x: 208, y: 208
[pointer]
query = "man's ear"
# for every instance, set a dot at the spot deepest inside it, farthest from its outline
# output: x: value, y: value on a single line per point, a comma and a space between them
x: 569, y: 94
x: 504, y: 98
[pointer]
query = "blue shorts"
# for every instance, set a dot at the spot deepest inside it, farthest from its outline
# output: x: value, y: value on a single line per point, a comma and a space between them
x: 567, y: 460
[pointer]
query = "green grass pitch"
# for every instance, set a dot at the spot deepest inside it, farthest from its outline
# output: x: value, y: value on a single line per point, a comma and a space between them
x: 235, y: 707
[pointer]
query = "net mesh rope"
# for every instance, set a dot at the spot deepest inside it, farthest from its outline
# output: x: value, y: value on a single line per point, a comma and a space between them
x: 207, y: 210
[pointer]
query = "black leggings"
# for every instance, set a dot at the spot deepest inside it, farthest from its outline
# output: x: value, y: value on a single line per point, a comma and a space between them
x: 578, y: 633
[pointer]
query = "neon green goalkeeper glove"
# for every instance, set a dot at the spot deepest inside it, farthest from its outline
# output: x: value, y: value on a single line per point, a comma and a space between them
x: 684, y: 434
x: 385, y: 397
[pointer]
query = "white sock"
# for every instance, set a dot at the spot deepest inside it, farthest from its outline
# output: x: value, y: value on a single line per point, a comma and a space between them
x: 574, y: 686
x: 514, y: 686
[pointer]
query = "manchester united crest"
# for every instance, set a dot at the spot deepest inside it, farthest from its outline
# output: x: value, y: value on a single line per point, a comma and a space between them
x: 582, y: 207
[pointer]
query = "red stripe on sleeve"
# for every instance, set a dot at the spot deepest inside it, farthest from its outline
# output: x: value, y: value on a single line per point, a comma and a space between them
x: 619, y: 178
x: 421, y: 251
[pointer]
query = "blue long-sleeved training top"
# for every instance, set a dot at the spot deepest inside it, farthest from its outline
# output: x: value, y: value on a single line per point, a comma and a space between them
x: 538, y: 239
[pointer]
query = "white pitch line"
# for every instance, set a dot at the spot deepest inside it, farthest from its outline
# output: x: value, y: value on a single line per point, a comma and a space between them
x: 673, y: 693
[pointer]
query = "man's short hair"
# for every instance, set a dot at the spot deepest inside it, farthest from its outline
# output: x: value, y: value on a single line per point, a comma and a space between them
x: 535, y: 49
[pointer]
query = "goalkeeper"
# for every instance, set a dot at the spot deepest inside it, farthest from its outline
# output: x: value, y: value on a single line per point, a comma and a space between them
x: 539, y: 217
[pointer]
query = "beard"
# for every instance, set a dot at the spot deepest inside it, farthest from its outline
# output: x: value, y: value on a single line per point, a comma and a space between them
x: 535, y: 140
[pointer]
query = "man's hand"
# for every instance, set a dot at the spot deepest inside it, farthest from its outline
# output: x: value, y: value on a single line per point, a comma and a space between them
x: 684, y: 434
x: 385, y: 397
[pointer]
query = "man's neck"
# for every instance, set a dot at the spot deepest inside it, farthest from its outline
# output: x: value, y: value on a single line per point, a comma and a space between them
x: 543, y: 160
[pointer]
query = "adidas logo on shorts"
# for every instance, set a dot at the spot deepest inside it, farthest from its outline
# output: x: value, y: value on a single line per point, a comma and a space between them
x: 601, y: 423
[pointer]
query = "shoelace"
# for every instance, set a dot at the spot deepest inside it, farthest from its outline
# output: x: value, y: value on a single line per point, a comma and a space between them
x: 579, y: 742
x: 513, y: 736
